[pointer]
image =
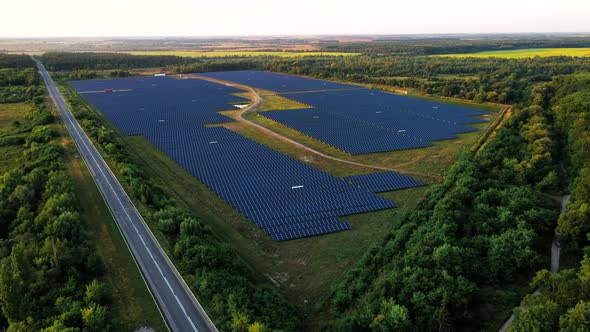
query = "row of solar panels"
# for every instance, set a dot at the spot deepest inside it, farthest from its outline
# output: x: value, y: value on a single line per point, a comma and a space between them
x: 283, y: 196
x: 276, y: 81
x: 358, y: 120
x: 367, y: 121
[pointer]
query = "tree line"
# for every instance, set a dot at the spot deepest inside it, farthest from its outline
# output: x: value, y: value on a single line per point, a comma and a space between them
x: 438, y: 45
x: 478, y: 79
x: 19, y: 81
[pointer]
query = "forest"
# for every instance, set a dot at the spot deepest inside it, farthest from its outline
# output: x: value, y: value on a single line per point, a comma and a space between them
x: 488, y: 223
x: 50, y: 275
x: 442, y: 45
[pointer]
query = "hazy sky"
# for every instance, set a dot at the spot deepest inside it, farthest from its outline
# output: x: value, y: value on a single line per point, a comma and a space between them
x: 36, y: 18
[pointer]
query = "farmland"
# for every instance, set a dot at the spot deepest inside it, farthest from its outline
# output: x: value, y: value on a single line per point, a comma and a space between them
x: 525, y: 53
x: 221, y: 54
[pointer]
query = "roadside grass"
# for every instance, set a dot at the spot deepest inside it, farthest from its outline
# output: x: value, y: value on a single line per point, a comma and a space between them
x: 276, y: 102
x: 221, y: 54
x: 524, y: 53
x: 132, y: 304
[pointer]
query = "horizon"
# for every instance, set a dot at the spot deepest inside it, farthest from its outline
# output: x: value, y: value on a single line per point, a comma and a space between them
x: 179, y: 18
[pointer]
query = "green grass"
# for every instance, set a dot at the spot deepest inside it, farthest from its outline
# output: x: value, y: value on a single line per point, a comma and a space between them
x: 13, y: 112
x: 10, y: 156
x: 525, y: 53
x: 219, y: 54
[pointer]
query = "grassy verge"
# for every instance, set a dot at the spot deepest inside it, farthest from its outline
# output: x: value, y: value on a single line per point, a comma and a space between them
x: 132, y: 304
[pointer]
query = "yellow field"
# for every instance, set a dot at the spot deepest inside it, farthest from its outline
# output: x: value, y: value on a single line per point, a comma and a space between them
x: 525, y: 53
x: 216, y: 54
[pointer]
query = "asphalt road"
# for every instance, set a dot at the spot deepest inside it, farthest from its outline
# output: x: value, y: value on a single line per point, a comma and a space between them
x: 175, y: 300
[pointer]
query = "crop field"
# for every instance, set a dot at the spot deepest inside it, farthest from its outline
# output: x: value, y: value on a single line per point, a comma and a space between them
x: 284, y: 197
x: 525, y: 53
x: 221, y: 54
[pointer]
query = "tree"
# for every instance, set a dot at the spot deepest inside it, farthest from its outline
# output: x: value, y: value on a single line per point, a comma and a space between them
x: 95, y: 318
x: 98, y: 292
x: 391, y: 317
x: 537, y: 317
x: 576, y: 319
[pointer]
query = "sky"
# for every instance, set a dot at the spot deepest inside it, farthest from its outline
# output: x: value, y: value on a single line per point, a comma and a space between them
x: 95, y: 18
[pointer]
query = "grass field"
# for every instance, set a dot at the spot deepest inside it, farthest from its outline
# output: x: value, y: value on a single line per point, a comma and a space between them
x: 525, y: 53
x: 219, y: 54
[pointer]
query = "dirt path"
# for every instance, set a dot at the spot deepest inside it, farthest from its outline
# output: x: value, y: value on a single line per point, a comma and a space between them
x: 257, y: 99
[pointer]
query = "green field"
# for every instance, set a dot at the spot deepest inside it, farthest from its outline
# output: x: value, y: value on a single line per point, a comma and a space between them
x: 525, y: 53
x: 219, y: 54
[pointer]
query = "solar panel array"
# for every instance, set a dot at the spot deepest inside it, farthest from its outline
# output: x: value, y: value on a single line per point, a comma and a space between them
x: 276, y: 81
x: 383, y: 181
x: 285, y: 197
x: 367, y: 121
x: 358, y: 120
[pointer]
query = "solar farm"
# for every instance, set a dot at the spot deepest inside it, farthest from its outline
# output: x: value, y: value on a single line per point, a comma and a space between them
x: 357, y: 120
x: 285, y: 197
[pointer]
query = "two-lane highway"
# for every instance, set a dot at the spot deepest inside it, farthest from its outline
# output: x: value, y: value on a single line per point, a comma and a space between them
x: 179, y: 306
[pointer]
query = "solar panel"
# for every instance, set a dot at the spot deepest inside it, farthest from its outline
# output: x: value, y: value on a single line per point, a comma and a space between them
x: 383, y: 181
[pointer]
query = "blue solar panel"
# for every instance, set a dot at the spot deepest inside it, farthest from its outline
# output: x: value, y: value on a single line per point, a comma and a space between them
x: 286, y: 198
x: 276, y: 81
x: 383, y: 181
